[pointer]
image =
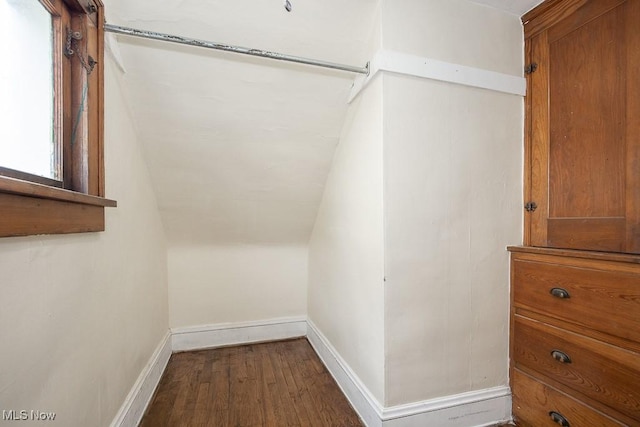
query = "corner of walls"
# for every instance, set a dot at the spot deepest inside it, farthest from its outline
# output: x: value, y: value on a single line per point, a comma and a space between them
x: 137, y: 217
x: 345, y: 297
x: 346, y: 277
x: 362, y: 400
x: 140, y: 395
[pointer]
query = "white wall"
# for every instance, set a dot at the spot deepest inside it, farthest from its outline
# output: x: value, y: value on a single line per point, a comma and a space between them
x: 452, y: 205
x: 456, y: 31
x: 211, y: 284
x: 346, y: 300
x: 82, y: 314
x: 452, y: 185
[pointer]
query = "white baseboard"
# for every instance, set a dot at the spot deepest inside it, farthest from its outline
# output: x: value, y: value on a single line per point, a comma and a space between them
x: 365, y: 404
x: 135, y: 404
x: 209, y: 336
x: 477, y: 408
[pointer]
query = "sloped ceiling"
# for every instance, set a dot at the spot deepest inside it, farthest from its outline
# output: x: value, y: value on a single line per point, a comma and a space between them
x: 238, y: 147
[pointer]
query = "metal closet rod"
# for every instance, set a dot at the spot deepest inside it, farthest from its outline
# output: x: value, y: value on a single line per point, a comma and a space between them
x: 230, y: 48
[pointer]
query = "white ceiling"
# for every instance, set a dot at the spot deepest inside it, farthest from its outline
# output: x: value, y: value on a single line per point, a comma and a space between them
x: 238, y: 147
x: 516, y: 7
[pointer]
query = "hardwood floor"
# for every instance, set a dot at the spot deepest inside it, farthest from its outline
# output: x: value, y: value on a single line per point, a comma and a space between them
x: 279, y: 383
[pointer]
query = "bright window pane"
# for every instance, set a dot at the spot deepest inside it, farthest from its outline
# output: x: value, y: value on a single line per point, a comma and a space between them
x: 26, y: 88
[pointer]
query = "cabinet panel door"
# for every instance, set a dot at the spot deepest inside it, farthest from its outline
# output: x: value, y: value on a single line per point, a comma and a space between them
x: 585, y: 130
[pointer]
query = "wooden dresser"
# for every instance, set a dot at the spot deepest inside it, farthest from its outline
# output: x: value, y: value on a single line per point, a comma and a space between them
x: 575, y: 348
x: 575, y: 284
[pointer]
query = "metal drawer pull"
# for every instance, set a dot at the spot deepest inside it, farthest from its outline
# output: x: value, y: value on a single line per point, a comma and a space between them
x: 560, y: 356
x: 559, y: 293
x: 559, y: 419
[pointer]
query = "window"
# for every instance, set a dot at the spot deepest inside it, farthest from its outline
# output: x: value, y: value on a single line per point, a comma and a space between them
x: 27, y: 28
x: 51, y: 136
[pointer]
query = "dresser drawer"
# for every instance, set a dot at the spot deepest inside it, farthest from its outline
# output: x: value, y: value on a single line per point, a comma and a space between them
x: 534, y: 403
x: 600, y: 371
x: 607, y: 301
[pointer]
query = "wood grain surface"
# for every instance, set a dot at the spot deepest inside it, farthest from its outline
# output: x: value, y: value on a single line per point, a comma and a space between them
x: 595, y: 370
x: 582, y: 125
x: 281, y: 383
x: 533, y: 401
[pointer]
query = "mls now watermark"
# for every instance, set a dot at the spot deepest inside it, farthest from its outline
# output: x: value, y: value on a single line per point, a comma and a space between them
x: 27, y: 415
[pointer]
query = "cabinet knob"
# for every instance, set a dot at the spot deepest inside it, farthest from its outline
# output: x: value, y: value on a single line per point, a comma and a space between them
x: 559, y: 293
x: 559, y: 419
x: 560, y: 356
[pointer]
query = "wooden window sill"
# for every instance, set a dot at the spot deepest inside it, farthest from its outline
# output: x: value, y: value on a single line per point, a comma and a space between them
x: 28, y: 208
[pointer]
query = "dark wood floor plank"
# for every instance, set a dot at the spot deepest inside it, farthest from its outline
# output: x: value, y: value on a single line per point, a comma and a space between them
x: 220, y: 383
x: 287, y: 414
x: 298, y: 360
x: 244, y: 409
x: 294, y: 392
x: 201, y: 411
x: 265, y: 365
x: 178, y: 411
x: 265, y: 378
x: 276, y: 384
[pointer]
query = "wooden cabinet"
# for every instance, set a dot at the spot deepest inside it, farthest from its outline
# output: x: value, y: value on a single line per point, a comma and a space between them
x: 575, y: 285
x: 575, y: 341
x: 583, y: 129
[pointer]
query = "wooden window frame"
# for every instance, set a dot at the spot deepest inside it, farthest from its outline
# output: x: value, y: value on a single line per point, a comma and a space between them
x: 29, y: 207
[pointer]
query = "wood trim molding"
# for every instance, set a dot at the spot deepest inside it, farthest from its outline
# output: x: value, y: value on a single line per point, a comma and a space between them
x: 552, y: 11
x: 573, y: 253
x: 28, y: 208
x: 26, y: 216
x: 32, y: 189
x: 546, y: 13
